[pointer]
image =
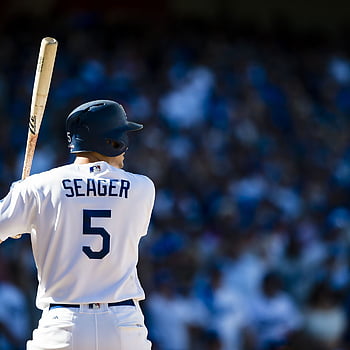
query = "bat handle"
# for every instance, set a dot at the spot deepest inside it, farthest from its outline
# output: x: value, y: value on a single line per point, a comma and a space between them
x: 29, y: 154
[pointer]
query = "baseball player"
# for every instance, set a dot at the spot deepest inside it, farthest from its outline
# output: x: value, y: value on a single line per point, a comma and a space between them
x: 85, y: 220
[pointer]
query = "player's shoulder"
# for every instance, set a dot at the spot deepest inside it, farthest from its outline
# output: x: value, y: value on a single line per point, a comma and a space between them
x: 140, y: 183
x: 48, y: 175
x: 55, y: 171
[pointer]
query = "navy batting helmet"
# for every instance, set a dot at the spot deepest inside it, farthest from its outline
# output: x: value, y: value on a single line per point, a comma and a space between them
x: 99, y: 126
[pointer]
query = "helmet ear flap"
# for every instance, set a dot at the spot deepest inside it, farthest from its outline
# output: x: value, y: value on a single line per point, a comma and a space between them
x: 119, y: 146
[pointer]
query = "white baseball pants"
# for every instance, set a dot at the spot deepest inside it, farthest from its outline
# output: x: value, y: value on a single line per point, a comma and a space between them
x: 86, y: 328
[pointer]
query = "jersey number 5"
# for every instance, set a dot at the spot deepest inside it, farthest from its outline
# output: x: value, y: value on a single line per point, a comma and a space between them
x: 89, y: 230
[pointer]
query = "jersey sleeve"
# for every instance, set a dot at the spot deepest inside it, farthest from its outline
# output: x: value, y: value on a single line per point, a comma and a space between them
x: 149, y: 190
x: 17, y: 210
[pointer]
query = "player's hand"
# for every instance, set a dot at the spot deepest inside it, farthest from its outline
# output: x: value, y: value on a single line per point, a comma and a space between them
x: 17, y: 236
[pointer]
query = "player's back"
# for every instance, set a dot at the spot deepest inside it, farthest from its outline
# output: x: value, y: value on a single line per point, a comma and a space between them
x: 85, y: 238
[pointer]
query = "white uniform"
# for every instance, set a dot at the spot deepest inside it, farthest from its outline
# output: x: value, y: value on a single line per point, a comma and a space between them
x: 85, y: 222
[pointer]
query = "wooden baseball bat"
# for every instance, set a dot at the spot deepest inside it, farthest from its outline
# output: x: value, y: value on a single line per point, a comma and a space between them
x: 43, y: 75
x: 42, y: 80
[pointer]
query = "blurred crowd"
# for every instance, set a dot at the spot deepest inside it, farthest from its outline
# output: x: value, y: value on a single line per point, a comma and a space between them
x: 247, y: 141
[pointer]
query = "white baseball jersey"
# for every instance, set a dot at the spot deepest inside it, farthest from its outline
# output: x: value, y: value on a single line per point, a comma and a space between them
x: 85, y: 223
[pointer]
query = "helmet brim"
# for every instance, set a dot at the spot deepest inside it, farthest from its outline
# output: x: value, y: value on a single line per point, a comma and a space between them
x: 132, y: 126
